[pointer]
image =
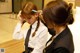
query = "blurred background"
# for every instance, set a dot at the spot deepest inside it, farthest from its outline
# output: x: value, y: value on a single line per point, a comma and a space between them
x: 8, y: 20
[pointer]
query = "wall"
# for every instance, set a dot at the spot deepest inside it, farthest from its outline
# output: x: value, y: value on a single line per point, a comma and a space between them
x: 6, y: 6
x: 46, y: 1
x: 77, y: 3
x: 7, y: 26
x: 38, y: 3
x: 17, y: 4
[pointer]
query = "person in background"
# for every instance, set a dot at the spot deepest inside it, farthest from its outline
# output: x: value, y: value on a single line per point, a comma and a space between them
x: 57, y: 16
x: 36, y: 39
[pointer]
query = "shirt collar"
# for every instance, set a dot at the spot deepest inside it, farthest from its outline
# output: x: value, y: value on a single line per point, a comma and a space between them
x: 35, y: 24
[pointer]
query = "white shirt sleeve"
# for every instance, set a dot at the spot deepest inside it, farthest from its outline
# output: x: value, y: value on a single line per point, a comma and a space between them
x: 40, y: 44
x: 17, y: 34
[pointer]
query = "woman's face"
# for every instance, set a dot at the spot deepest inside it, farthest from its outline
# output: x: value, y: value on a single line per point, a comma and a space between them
x: 30, y: 18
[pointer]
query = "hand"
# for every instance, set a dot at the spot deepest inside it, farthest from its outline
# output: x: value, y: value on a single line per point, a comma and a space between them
x: 19, y: 16
x: 40, y: 12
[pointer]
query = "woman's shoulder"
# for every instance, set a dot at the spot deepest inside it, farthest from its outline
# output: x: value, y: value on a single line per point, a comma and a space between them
x: 42, y: 25
x: 61, y: 50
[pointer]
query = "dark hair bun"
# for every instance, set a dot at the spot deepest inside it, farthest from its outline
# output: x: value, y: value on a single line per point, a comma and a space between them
x: 70, y: 14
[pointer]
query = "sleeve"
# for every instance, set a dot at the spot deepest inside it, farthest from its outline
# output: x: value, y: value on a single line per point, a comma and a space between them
x: 41, y: 41
x: 17, y: 34
x: 61, y: 50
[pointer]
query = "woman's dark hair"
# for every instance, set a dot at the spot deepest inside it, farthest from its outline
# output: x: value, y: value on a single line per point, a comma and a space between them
x: 58, y: 12
x: 30, y: 9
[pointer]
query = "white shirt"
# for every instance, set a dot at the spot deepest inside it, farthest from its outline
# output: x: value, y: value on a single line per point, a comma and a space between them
x: 38, y: 41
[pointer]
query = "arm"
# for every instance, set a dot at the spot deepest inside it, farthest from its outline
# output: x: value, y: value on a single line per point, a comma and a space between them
x: 41, y: 41
x: 17, y: 34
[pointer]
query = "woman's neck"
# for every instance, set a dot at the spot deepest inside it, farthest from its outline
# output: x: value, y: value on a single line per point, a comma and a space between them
x: 59, y: 29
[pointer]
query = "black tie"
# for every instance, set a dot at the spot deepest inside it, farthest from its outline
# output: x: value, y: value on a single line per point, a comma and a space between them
x: 27, y: 40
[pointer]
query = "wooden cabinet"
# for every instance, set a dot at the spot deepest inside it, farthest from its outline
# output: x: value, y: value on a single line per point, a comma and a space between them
x: 13, y: 46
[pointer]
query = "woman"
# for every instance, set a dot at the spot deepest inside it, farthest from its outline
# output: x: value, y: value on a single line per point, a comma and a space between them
x: 57, y: 15
x: 37, y: 40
